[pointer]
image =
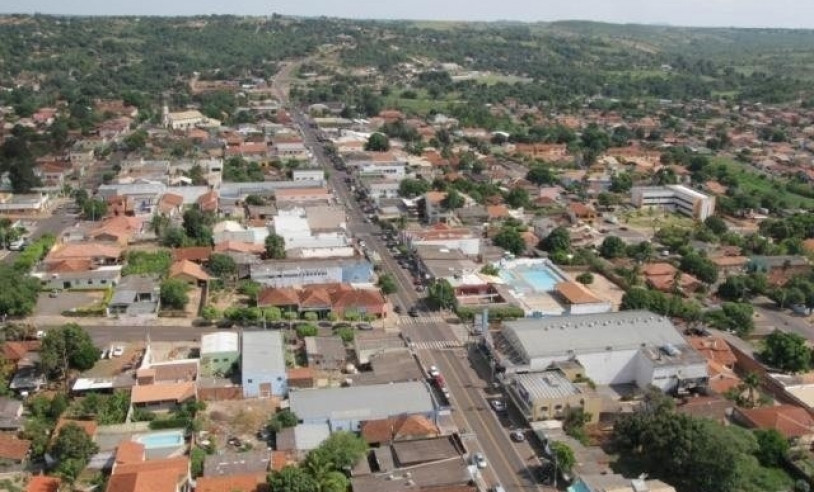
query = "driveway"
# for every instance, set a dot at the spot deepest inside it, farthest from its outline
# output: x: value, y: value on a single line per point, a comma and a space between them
x: 64, y: 301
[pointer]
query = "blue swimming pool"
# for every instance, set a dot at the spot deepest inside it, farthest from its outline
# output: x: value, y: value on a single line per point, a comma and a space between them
x: 158, y: 440
x: 531, y: 278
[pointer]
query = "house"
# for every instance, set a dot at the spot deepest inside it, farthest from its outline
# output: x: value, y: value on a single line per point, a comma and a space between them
x: 612, y: 482
x: 550, y: 395
x: 24, y: 353
x: 23, y: 204
x: 401, y: 428
x: 208, y: 202
x: 185, y: 120
x: 779, y: 269
x: 11, y: 414
x: 134, y: 295
x: 97, y: 253
x: 118, y: 229
x: 263, y: 367
x: 729, y: 265
x: 247, y: 482
x: 13, y: 452
x: 300, y: 377
x: 171, y: 205
x: 189, y: 272
x: 220, y: 352
x: 162, y: 396
x: 43, y: 483
x: 714, y: 348
x: 580, y: 212
x: 324, y: 299
x: 197, y: 254
x: 662, y: 277
x: 793, y: 422
x: 132, y: 473
x: 346, y: 408
x: 89, y: 426
x: 628, y: 347
x: 302, y: 195
x: 326, y: 353
x: 304, y: 272
x: 302, y: 438
x: 434, y: 211
x: 579, y: 300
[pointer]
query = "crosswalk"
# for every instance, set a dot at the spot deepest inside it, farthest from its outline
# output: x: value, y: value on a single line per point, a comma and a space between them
x: 436, y: 345
x: 422, y: 320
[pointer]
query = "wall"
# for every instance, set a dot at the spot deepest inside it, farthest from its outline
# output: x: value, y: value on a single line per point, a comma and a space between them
x: 219, y: 394
x: 593, y: 308
x: 251, y: 384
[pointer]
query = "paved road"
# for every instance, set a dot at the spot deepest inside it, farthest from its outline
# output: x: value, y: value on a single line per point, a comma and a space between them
x: 510, y: 464
x: 770, y: 318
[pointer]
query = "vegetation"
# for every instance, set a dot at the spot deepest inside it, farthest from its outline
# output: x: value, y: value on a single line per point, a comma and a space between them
x: 105, y: 409
x: 275, y: 247
x: 387, y: 283
x: 733, y: 316
x: 787, y: 352
x: 65, y: 348
x: 72, y: 449
x: 22, y: 299
x: 441, y: 295
x: 148, y: 263
x: 586, y: 278
x: 174, y: 294
x: 324, y: 468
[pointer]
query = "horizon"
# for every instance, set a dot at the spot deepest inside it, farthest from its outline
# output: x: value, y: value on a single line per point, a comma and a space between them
x: 744, y: 14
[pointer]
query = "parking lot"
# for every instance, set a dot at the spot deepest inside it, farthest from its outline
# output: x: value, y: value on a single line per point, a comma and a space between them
x: 65, y: 301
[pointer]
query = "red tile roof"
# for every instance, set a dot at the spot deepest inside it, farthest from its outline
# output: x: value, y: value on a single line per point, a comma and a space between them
x: 254, y: 482
x: 89, y: 426
x: 192, y: 253
x: 186, y: 268
x: 12, y: 448
x: 129, y: 452
x: 713, y: 348
x: 15, y: 351
x: 789, y: 420
x: 398, y: 428
x: 42, y: 483
x: 162, y: 475
x: 154, y: 393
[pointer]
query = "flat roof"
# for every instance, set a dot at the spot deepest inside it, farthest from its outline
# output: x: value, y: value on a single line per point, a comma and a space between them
x: 547, y: 385
x: 590, y: 333
x: 423, y: 450
x: 222, y: 341
x: 376, y: 401
x: 263, y: 351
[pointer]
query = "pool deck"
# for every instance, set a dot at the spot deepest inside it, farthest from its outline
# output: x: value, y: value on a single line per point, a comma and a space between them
x: 523, y: 294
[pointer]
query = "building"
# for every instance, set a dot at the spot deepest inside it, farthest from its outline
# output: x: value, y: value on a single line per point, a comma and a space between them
x: 401, y: 428
x: 627, y: 347
x: 132, y: 472
x: 792, y: 422
x: 579, y: 300
x: 611, y: 482
x: 302, y: 438
x: 677, y: 198
x: 303, y: 272
x: 262, y: 364
x: 461, y: 238
x: 13, y: 452
x: 550, y: 395
x: 189, y: 272
x: 247, y: 482
x: 220, y: 352
x: 185, y: 120
x: 162, y: 397
x: 311, y: 175
x: 338, y: 299
x: 134, y: 295
x: 346, y: 408
x: 23, y: 204
x: 325, y: 353
x: 43, y: 483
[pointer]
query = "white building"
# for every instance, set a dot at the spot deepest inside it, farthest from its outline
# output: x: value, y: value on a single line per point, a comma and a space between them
x: 229, y: 230
x: 676, y: 198
x: 308, y: 175
x: 627, y: 347
x: 302, y: 242
x: 378, y: 189
x: 185, y: 120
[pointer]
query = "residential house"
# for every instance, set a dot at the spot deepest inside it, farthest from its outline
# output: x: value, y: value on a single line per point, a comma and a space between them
x: 434, y: 211
x: 793, y: 422
x: 299, y: 196
x: 301, y: 377
x: 580, y: 212
x: 229, y: 230
x: 133, y: 473
x: 189, y: 272
x: 196, y: 254
x: 779, y: 269
x: 96, y: 253
x: 338, y: 299
x: 247, y: 482
x: 54, y: 173
x: 263, y: 366
x: 13, y: 453
x: 118, y: 229
x: 23, y: 203
x: 78, y: 275
x: 220, y: 353
x: 326, y: 353
x: 162, y: 397
x: 729, y: 265
x: 345, y: 408
x: 400, y: 428
x: 171, y: 205
x: 304, y: 272
x: 578, y: 299
x: 43, y: 483
x: 544, y: 152
x: 662, y: 277
x: 11, y: 414
x: 134, y: 295
x: 302, y: 438
x: 208, y: 202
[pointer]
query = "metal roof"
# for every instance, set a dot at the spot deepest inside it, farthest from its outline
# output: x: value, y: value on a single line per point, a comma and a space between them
x: 222, y: 341
x: 263, y: 352
x: 376, y: 401
x: 591, y: 333
x: 549, y: 385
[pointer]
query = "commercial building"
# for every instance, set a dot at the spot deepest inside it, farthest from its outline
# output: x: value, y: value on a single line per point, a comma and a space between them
x: 550, y: 395
x: 627, y: 347
x: 677, y: 198
x: 346, y: 408
x: 262, y: 364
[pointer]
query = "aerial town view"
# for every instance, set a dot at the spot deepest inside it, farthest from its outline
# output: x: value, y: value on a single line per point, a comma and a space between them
x: 314, y: 247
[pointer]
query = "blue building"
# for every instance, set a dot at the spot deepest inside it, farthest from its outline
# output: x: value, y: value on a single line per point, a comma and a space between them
x: 263, y: 364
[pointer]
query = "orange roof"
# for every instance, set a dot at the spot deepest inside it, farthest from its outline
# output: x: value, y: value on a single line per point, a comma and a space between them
x: 89, y: 426
x: 162, y: 475
x: 576, y: 293
x: 253, y: 482
x: 581, y: 210
x: 12, y: 448
x: 721, y: 378
x: 789, y: 420
x: 76, y: 265
x: 41, y: 483
x: 154, y: 393
x: 193, y: 253
x: 398, y: 428
x: 239, y: 247
x: 435, y: 196
x: 714, y: 349
x: 808, y: 244
x: 14, y: 351
x: 300, y: 373
x: 278, y: 297
x: 729, y: 261
x: 65, y: 251
x: 281, y: 459
x: 497, y: 211
x: 189, y: 269
x: 129, y: 452
x: 208, y: 202
x: 651, y: 269
x: 171, y: 200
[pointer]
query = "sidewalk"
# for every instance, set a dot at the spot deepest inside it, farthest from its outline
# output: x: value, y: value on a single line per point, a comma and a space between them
x: 93, y: 321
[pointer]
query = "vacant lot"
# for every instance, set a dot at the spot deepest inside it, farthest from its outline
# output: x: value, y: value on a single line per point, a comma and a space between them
x: 65, y: 301
x: 238, y: 418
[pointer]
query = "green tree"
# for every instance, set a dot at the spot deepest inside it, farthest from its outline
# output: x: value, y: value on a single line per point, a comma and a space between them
x: 307, y: 330
x: 67, y: 347
x: 196, y: 462
x: 700, y: 266
x: 342, y: 450
x: 387, y: 284
x: 585, y: 278
x: 275, y: 247
x: 94, y: 209
x: 441, y: 295
x: 453, y: 200
x: 72, y: 449
x: 411, y: 188
x: 377, y: 142
x: 558, y: 240
x: 197, y: 227
x: 564, y: 456
x: 716, y: 225
x: 255, y: 200
x: 509, y: 238
x: 541, y: 175
x: 222, y: 265
x: 733, y: 316
x: 490, y: 269
x: 174, y: 294
x: 621, y: 183
x: 21, y: 300
x: 281, y: 420
x: 787, y: 352
x: 612, y: 247
x: 518, y: 198
x: 292, y: 479
x: 174, y: 237
x: 772, y: 447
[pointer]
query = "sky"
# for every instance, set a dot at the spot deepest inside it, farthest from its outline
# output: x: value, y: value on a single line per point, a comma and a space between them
x: 737, y: 13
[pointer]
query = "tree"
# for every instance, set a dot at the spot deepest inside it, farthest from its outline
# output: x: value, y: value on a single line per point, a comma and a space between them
x: 541, y: 175
x: 490, y: 269
x: 292, y: 479
x: 275, y: 247
x: 222, y: 265
x: 283, y: 419
x: 787, y: 352
x: 94, y: 209
x: 255, y: 200
x: 509, y: 238
x: 196, y: 462
x: 377, y: 142
x: 342, y: 450
x: 67, y: 347
x: 72, y: 448
x: 612, y: 247
x: 196, y: 225
x: 585, y: 278
x: 411, y: 188
x: 518, y: 198
x: 387, y: 284
x: 563, y: 456
x: 174, y: 294
x: 772, y: 447
x: 174, y: 237
x: 559, y: 239
x: 733, y: 316
x: 441, y: 295
x: 700, y: 266
x: 20, y: 300
x: 716, y: 225
x: 453, y: 200
x: 621, y: 183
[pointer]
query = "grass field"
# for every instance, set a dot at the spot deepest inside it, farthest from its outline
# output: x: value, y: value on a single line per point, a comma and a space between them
x: 749, y: 180
x: 650, y: 220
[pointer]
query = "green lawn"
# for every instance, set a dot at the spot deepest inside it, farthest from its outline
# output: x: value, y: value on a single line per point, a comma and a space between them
x: 749, y: 181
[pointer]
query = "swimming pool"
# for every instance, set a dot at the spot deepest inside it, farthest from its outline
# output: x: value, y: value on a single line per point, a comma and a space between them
x: 158, y: 440
x: 530, y: 278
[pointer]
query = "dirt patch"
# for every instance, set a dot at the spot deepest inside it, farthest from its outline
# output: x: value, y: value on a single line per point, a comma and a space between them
x: 239, y: 418
x: 113, y: 366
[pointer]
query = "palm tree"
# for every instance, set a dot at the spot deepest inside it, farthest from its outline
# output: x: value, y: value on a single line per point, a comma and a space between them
x: 751, y: 382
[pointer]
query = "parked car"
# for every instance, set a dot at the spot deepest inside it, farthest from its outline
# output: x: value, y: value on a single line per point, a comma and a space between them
x: 517, y: 436
x: 497, y: 405
x: 433, y: 372
x: 117, y: 351
x: 413, y: 312
x: 397, y: 309
x: 53, y: 293
x: 479, y: 460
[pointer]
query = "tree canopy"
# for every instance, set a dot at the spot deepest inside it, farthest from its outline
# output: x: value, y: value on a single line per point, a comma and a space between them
x: 67, y: 347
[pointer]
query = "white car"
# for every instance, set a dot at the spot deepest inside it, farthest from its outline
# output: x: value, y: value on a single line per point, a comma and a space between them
x: 434, y: 372
x: 479, y: 460
x: 117, y: 351
x: 40, y: 334
x: 498, y: 405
